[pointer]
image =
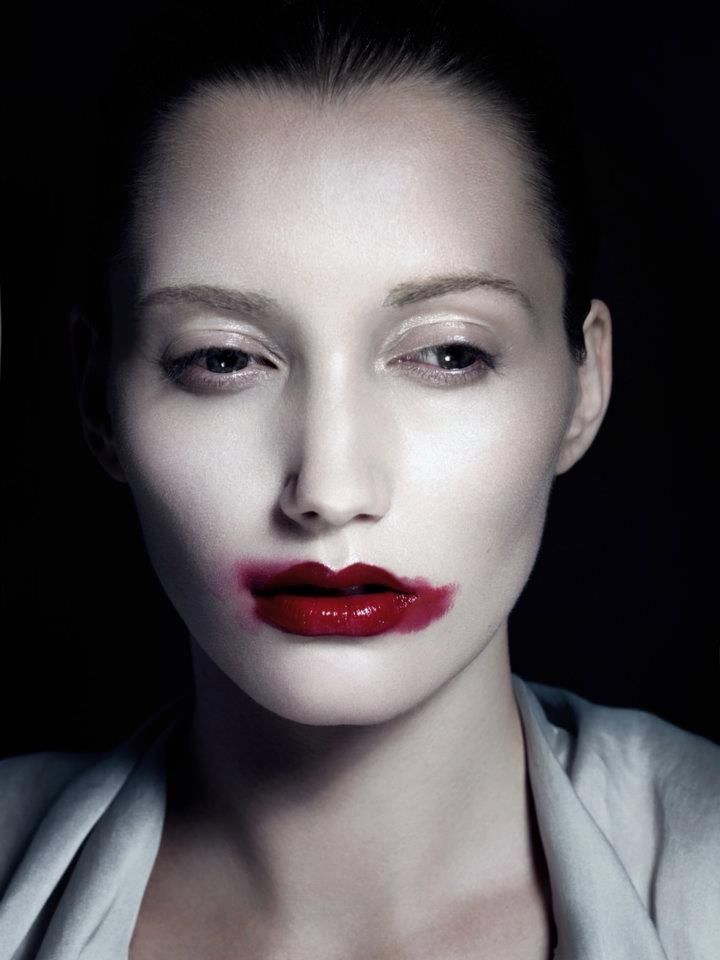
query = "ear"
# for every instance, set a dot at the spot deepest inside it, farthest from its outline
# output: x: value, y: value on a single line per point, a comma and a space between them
x: 90, y: 368
x: 594, y: 383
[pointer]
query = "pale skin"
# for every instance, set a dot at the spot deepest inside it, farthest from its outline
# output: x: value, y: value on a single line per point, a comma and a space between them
x: 346, y: 798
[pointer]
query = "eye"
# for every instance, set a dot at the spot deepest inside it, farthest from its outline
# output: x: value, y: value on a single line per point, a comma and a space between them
x: 457, y: 362
x: 214, y: 368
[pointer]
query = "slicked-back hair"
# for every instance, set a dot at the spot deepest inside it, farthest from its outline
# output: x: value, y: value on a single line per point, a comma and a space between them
x: 330, y: 50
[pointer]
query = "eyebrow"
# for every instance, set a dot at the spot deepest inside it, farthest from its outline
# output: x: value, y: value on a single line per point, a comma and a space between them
x: 411, y: 291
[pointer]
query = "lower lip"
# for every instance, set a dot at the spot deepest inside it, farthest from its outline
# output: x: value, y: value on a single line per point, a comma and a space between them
x: 357, y: 615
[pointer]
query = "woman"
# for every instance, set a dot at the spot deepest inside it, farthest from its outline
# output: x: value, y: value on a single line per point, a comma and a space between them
x: 341, y: 346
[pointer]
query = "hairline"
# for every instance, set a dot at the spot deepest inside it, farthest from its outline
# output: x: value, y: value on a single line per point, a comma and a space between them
x: 486, y: 106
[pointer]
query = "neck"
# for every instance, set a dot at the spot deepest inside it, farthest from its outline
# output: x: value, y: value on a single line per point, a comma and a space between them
x: 427, y: 807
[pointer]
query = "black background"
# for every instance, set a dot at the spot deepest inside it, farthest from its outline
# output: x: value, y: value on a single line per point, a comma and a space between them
x: 621, y: 604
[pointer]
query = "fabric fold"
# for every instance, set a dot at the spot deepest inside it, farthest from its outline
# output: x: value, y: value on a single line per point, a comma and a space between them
x: 626, y: 807
x: 72, y: 896
x: 598, y: 912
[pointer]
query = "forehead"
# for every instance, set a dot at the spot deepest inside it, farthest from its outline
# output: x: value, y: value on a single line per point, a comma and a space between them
x: 392, y: 181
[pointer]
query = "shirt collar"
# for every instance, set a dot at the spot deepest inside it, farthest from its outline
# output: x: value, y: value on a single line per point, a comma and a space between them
x: 598, y: 913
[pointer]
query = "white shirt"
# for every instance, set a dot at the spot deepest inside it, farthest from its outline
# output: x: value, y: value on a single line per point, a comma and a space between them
x: 628, y: 808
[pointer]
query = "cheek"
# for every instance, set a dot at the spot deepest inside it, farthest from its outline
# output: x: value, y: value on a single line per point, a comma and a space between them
x: 200, y: 480
x: 495, y: 452
x: 470, y: 476
x: 483, y: 493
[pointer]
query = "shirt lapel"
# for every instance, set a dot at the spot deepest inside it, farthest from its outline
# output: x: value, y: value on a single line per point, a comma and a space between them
x: 598, y: 913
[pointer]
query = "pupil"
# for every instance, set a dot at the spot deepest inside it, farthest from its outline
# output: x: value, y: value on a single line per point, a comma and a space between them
x: 448, y: 354
x: 219, y: 361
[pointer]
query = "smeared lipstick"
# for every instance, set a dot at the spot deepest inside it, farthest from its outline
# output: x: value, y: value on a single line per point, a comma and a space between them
x: 361, y: 600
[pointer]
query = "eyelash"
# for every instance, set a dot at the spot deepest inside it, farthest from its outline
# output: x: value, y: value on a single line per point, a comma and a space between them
x: 174, y: 367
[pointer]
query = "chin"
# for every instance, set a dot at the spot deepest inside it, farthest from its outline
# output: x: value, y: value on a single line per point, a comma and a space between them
x: 324, y: 683
x: 335, y: 711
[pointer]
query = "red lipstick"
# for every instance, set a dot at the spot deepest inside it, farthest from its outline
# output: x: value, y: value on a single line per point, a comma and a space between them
x: 361, y: 600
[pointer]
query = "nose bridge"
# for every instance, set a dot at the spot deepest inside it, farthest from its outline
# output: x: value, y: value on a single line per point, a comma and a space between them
x: 340, y: 471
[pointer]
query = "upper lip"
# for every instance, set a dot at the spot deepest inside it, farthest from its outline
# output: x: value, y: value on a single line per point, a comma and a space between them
x: 315, y: 574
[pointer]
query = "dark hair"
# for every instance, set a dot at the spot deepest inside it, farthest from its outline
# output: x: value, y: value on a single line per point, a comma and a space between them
x: 330, y: 49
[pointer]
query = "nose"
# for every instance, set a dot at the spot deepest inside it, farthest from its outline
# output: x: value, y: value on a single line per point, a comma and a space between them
x: 341, y: 471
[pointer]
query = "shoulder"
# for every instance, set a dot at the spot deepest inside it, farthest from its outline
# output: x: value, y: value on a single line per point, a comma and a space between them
x: 654, y: 791
x: 75, y: 827
x: 634, y: 754
x: 29, y: 785
x: 628, y: 737
x: 45, y: 796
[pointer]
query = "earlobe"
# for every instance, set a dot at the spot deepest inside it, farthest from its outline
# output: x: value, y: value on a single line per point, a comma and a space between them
x: 90, y: 370
x: 594, y: 384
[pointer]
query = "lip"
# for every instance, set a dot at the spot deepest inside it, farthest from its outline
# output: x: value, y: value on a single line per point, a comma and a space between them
x: 401, y: 604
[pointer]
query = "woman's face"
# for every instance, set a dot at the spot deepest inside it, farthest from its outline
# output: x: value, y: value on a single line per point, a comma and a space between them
x: 320, y: 247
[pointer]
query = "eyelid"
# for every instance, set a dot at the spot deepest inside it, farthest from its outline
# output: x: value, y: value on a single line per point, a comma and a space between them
x: 222, y: 339
x: 439, y: 320
x: 415, y: 336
